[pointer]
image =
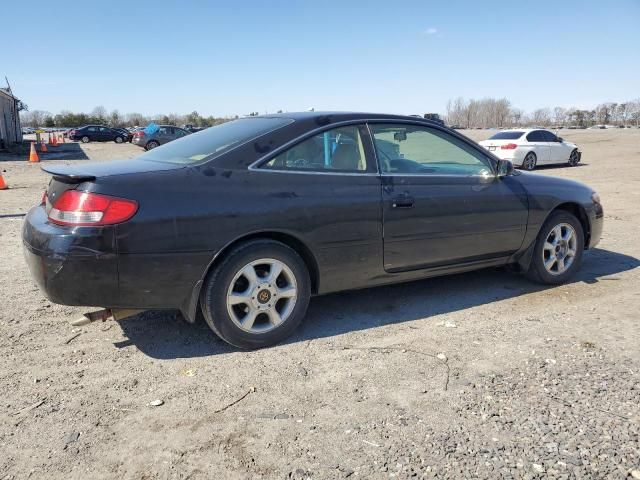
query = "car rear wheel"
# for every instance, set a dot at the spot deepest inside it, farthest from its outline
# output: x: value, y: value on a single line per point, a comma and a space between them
x: 574, y: 158
x: 152, y: 144
x: 529, y: 162
x: 119, y: 140
x: 558, y: 251
x: 85, y: 139
x: 258, y: 295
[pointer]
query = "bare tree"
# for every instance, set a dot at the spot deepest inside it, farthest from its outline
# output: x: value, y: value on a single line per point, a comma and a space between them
x: 559, y: 115
x: 100, y: 113
x: 541, y: 116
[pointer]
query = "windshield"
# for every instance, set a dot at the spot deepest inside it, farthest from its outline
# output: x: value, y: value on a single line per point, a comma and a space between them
x: 214, y: 141
x: 506, y: 136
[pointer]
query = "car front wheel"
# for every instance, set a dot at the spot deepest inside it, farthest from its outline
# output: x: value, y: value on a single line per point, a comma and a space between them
x: 258, y: 295
x: 574, y: 158
x: 558, y: 250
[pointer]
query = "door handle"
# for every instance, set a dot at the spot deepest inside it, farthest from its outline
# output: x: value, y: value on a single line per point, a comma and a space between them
x: 402, y: 201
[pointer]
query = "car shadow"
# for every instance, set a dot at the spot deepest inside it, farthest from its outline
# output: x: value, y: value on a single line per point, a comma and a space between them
x: 558, y: 166
x: 64, y: 151
x: 160, y: 335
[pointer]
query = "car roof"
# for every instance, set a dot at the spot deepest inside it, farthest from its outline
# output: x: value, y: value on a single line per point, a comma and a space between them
x: 327, y: 117
x: 524, y: 130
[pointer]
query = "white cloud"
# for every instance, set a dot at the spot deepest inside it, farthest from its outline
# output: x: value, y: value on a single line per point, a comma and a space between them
x: 431, y: 31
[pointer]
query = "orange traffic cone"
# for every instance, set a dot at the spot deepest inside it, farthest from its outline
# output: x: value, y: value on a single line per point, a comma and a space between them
x: 3, y: 184
x: 33, y: 155
x: 54, y: 142
x: 43, y: 147
x: 61, y: 140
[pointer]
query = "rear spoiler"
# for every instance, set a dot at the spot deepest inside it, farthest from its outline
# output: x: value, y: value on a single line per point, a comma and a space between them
x: 67, y: 174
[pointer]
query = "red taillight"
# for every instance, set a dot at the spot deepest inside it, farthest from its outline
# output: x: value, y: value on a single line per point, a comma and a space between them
x: 509, y: 146
x: 138, y: 134
x: 84, y: 208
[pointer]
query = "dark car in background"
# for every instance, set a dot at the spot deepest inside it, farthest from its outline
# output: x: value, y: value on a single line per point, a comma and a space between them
x: 127, y: 134
x: 163, y: 134
x: 98, y: 133
x: 244, y: 221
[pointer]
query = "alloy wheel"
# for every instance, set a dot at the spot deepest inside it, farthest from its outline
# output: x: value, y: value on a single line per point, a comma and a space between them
x: 559, y: 249
x: 573, y: 159
x: 262, y: 295
x: 529, y: 162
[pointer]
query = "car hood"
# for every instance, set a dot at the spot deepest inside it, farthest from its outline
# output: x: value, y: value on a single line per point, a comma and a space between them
x: 536, y: 181
x: 90, y: 170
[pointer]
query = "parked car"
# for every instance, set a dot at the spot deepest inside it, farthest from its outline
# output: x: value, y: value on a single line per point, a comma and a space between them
x: 246, y: 220
x: 126, y: 133
x: 163, y: 134
x: 528, y: 148
x: 97, y: 133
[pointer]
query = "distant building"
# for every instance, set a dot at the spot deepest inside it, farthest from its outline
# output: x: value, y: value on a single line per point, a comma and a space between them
x: 10, y: 129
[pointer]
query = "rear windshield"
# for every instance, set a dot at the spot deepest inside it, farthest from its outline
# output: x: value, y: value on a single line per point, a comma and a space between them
x: 214, y: 141
x: 506, y: 136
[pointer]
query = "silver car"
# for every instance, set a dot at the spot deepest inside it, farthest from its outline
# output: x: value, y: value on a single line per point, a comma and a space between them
x: 164, y: 134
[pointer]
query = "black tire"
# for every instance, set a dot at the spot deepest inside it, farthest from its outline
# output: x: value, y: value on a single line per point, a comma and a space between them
x: 574, y: 158
x: 118, y: 139
x: 537, y: 271
x: 85, y: 139
x: 213, y: 297
x: 530, y: 161
x: 151, y: 145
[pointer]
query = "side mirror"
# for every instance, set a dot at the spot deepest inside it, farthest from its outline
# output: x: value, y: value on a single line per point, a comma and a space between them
x: 560, y: 139
x: 505, y: 168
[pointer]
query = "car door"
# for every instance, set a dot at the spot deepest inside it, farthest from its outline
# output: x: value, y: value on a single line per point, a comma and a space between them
x: 92, y: 133
x: 442, y: 203
x: 164, y: 135
x: 539, y: 145
x: 106, y: 134
x: 326, y: 190
x: 558, y: 151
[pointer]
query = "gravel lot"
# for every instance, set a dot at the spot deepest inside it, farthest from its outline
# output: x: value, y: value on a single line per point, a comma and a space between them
x: 482, y: 375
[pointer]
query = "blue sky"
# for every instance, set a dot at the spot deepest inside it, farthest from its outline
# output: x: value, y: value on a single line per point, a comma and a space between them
x: 225, y: 58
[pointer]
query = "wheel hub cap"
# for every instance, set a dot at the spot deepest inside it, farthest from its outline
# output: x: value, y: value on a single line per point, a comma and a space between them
x: 559, y: 249
x: 262, y: 295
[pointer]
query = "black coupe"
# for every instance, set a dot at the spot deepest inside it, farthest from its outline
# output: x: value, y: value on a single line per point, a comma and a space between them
x: 246, y: 220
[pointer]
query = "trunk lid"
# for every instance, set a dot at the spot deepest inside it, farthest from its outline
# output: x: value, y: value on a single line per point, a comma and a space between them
x: 80, y: 172
x: 493, y: 145
x: 67, y: 177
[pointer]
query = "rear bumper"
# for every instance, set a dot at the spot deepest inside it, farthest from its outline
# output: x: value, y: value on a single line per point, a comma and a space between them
x: 80, y: 266
x: 72, y: 266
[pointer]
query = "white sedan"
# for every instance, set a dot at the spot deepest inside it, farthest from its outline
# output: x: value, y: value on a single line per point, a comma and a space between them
x: 528, y: 147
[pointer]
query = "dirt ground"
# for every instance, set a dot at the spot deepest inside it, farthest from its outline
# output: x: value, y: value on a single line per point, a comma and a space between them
x: 481, y: 375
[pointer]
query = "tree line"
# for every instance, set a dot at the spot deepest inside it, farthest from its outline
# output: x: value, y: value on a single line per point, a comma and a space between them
x: 492, y: 112
x: 100, y: 116
x: 467, y: 113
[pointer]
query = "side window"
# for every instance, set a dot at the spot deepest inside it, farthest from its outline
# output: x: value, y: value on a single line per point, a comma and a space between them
x: 339, y: 149
x: 424, y: 150
x: 163, y: 130
x: 92, y: 129
x: 105, y: 130
x: 535, y: 136
x: 180, y: 132
x: 549, y: 137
